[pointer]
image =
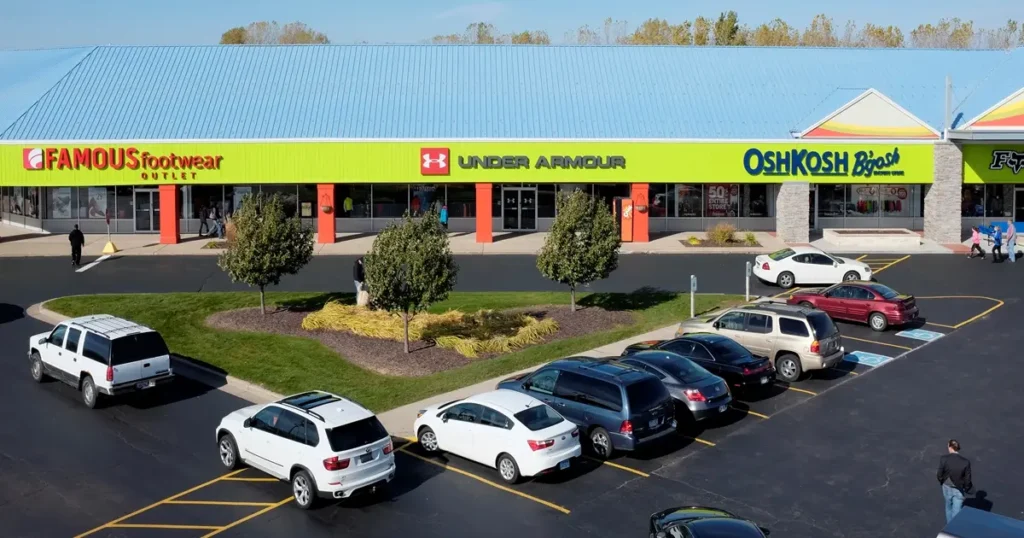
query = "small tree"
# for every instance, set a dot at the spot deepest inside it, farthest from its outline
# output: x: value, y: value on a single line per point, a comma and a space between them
x: 410, y: 266
x: 583, y: 244
x: 267, y: 244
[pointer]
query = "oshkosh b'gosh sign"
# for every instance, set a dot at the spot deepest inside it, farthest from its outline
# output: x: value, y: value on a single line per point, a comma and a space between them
x: 803, y: 162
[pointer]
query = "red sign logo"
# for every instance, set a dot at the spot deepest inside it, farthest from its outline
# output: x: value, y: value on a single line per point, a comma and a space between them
x: 32, y: 158
x: 434, y: 161
x: 150, y: 166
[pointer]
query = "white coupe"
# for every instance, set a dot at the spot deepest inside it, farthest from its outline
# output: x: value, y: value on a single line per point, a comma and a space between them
x: 517, y: 434
x: 807, y: 265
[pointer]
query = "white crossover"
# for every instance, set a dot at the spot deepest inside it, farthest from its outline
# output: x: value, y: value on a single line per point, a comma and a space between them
x: 807, y: 265
x: 517, y: 434
x: 325, y: 445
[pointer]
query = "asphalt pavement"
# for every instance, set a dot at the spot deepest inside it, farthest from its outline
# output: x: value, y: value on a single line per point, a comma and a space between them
x: 846, y: 453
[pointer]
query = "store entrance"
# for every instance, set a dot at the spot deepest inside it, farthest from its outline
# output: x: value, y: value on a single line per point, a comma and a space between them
x: 147, y: 210
x: 519, y: 209
x: 812, y: 222
x: 1018, y: 208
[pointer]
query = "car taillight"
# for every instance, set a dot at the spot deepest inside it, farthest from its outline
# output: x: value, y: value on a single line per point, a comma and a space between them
x: 626, y: 428
x: 815, y: 347
x: 764, y: 266
x: 576, y: 432
x: 388, y: 448
x: 110, y: 373
x: 694, y: 395
x: 540, y: 445
x: 334, y: 464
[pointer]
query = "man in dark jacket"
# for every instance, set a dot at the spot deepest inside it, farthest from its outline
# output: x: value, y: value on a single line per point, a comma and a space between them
x: 77, y: 239
x: 955, y: 478
x: 359, y: 275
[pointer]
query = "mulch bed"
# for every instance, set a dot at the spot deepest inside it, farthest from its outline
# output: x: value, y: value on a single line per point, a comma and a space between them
x: 216, y: 245
x: 388, y: 357
x: 730, y: 244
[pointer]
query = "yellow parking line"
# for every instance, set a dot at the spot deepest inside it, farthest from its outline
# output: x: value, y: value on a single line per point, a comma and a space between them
x: 617, y: 466
x: 940, y: 325
x: 805, y: 391
x: 238, y: 522
x: 554, y: 506
x: 905, y: 348
x: 862, y: 257
x: 750, y: 412
x: 851, y: 372
x: 878, y: 260
x: 159, y: 526
x: 219, y: 503
x: 998, y: 305
x: 701, y: 441
x: 158, y: 503
x: 876, y: 271
x: 239, y: 479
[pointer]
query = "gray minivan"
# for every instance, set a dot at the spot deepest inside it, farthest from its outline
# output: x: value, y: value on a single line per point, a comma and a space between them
x: 619, y: 407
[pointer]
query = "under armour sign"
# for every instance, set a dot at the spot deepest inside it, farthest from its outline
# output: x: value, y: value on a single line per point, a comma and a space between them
x: 434, y: 162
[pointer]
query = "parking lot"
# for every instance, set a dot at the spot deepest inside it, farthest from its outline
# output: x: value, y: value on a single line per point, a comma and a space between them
x: 436, y: 492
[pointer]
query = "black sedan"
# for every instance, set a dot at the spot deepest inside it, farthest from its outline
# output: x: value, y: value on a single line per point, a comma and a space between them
x: 700, y: 522
x: 719, y: 355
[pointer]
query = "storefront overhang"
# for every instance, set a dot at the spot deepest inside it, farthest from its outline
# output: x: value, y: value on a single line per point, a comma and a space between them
x: 1009, y: 135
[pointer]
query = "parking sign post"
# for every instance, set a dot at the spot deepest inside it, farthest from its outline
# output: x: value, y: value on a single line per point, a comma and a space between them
x: 693, y: 294
x: 748, y: 282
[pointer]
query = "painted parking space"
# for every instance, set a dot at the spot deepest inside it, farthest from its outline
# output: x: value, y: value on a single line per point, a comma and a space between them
x: 920, y: 334
x: 867, y: 359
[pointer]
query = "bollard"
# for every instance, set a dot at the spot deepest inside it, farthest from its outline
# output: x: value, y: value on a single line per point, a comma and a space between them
x: 748, y: 283
x: 693, y: 295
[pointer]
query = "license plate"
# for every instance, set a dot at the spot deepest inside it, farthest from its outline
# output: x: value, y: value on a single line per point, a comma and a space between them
x: 653, y: 423
x: 563, y: 465
x: 365, y: 458
x: 145, y: 385
x: 722, y: 408
x: 764, y: 380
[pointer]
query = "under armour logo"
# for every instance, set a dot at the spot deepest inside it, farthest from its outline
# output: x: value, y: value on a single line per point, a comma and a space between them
x: 1004, y: 158
x: 434, y: 161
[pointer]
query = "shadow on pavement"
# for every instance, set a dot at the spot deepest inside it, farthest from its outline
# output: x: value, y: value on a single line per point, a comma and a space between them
x: 766, y: 393
x: 178, y: 390
x: 979, y: 501
x: 10, y: 312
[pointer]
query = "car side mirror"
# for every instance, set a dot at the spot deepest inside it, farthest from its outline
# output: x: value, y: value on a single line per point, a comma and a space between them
x: 765, y: 531
x: 716, y: 324
x: 247, y: 423
x: 527, y: 385
x: 41, y: 341
x: 835, y: 264
x: 444, y: 418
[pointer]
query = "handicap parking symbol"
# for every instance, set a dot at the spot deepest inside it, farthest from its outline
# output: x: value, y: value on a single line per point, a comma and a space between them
x: 867, y: 359
x: 920, y: 334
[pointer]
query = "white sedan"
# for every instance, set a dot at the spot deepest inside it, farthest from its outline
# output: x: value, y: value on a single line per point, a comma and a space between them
x: 517, y: 434
x: 808, y: 265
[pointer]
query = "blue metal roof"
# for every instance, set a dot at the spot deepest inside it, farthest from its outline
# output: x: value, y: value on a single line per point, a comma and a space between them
x: 480, y: 91
x: 27, y: 75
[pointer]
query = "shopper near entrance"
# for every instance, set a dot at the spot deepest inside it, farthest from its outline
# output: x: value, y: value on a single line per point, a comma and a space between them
x: 444, y: 217
x: 1011, y: 241
x: 347, y: 206
x: 976, y: 243
x: 997, y: 244
x: 203, y: 225
x: 359, y: 275
x: 955, y: 478
x: 77, y: 239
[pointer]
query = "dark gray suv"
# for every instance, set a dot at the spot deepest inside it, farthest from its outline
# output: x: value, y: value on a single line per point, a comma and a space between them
x: 619, y: 407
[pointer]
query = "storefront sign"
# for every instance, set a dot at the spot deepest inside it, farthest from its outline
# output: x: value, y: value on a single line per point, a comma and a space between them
x: 984, y: 163
x: 812, y: 162
x: 362, y: 162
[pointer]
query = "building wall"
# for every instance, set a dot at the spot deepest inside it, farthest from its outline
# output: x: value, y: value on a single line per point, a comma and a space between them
x: 942, y: 202
x: 793, y: 206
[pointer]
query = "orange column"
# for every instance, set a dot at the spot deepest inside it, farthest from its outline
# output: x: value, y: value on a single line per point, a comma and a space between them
x: 326, y: 230
x: 170, y: 205
x: 484, y: 224
x: 641, y: 225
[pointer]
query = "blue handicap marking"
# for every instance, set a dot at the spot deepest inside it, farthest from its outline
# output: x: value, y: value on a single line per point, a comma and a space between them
x: 865, y: 358
x: 920, y: 334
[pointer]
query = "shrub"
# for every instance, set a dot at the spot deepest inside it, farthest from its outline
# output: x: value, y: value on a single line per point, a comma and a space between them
x: 750, y: 239
x: 693, y: 241
x: 721, y: 234
x: 470, y: 335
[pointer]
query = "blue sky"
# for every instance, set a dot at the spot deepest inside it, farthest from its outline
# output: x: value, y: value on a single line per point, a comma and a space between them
x: 61, y: 23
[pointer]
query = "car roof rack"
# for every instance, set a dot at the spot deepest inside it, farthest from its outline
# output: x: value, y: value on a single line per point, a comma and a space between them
x: 307, y: 401
x: 109, y: 326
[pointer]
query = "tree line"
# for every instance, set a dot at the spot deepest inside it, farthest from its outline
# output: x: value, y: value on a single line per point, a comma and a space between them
x: 725, y: 30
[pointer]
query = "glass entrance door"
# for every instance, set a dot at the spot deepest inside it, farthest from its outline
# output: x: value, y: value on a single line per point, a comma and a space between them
x: 813, y: 203
x: 519, y: 209
x: 1018, y: 208
x: 147, y: 211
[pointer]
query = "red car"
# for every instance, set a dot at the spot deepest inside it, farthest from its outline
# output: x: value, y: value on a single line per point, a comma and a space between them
x: 866, y: 302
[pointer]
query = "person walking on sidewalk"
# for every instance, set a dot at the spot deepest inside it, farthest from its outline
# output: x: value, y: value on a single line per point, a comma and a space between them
x: 997, y: 243
x: 1011, y: 241
x: 976, y: 243
x: 77, y: 239
x: 955, y: 478
x: 203, y: 224
x: 444, y: 217
x: 359, y: 275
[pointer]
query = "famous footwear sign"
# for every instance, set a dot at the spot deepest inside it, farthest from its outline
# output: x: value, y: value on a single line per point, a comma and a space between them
x: 437, y: 161
x: 150, y: 166
x: 807, y: 162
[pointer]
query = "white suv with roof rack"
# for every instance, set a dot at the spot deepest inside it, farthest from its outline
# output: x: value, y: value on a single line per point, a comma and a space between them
x: 101, y: 355
x: 325, y: 445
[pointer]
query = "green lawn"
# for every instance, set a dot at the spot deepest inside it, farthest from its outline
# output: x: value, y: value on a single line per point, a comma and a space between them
x: 287, y: 364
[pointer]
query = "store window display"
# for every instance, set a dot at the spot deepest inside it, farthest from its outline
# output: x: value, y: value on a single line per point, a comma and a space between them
x: 721, y: 200
x: 757, y: 201
x: 898, y: 200
x: 831, y: 201
x: 863, y: 201
x: 972, y: 201
x: 689, y: 201
x: 998, y: 201
x: 424, y: 198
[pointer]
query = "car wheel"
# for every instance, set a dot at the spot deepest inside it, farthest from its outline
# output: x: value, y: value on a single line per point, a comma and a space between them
x: 789, y: 368
x: 806, y: 304
x: 507, y: 469
x: 304, y: 490
x: 851, y: 276
x: 785, y: 280
x: 878, y: 322
x: 37, y: 368
x: 228, y: 450
x: 601, y: 443
x: 428, y: 439
x: 89, y: 393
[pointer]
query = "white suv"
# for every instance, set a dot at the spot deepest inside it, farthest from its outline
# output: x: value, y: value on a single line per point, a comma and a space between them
x: 325, y: 445
x: 101, y: 355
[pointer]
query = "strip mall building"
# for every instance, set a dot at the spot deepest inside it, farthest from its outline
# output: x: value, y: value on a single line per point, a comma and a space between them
x: 790, y: 140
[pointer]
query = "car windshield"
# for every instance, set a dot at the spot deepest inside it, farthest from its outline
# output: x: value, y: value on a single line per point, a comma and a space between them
x: 356, y: 434
x: 685, y: 370
x: 781, y: 254
x: 728, y: 351
x: 539, y: 417
x: 885, y: 291
x: 137, y: 347
x: 646, y: 394
x: 821, y: 324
